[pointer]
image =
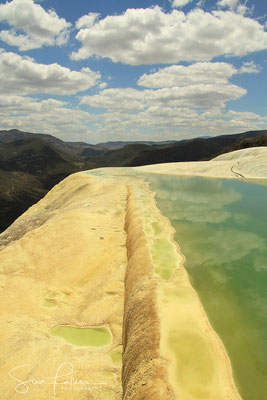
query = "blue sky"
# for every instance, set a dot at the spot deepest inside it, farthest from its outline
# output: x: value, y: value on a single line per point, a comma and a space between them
x: 96, y: 71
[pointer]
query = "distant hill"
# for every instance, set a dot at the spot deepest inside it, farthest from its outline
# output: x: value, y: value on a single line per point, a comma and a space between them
x: 120, y: 144
x: 72, y: 148
x: 257, y: 141
x: 186, y: 150
x: 79, y: 149
x: 28, y: 169
x: 31, y: 164
x: 35, y: 156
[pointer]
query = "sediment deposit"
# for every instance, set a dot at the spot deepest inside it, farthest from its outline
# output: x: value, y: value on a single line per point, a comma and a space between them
x: 248, y: 163
x: 144, y: 373
x: 91, y: 275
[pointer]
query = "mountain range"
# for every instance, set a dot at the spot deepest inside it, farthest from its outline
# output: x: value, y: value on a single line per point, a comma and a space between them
x: 31, y: 163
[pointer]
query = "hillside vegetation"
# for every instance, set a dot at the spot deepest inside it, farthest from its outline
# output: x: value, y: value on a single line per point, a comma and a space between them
x: 29, y: 168
x: 31, y: 164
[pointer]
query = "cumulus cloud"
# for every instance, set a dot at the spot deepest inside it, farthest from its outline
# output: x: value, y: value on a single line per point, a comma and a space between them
x: 242, y: 119
x: 20, y: 104
x: 160, y: 122
x: 148, y: 36
x: 179, y: 75
x: 191, y: 96
x: 39, y: 27
x: 23, y: 75
x: 178, y: 100
x: 235, y: 5
x: 250, y: 68
x: 228, y: 3
x: 129, y: 111
x: 180, y: 3
x: 47, y: 116
x: 86, y: 21
x: 243, y: 114
x: 123, y: 100
x: 242, y: 9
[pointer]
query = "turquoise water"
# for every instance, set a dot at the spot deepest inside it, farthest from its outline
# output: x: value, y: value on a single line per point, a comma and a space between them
x: 221, y: 227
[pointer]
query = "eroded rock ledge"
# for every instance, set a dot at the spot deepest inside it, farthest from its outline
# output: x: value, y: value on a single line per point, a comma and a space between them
x: 144, y: 373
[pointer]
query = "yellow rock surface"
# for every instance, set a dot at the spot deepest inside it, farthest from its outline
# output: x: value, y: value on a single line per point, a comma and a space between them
x: 63, y: 263
x: 95, y: 257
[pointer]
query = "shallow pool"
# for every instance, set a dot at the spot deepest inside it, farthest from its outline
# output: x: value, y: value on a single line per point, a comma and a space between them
x: 93, y: 337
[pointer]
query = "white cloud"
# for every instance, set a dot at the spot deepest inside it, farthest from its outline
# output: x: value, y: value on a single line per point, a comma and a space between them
x: 185, y: 111
x: 228, y: 3
x: 201, y: 85
x: 39, y: 27
x: 241, y: 9
x: 179, y: 75
x: 180, y: 100
x: 250, y: 68
x: 148, y: 36
x: 47, y: 116
x: 123, y: 100
x: 160, y: 121
x: 199, y: 95
x: 243, y: 118
x: 180, y: 3
x: 86, y: 21
x: 19, y: 104
x: 23, y: 75
x: 173, y: 112
x: 102, y: 85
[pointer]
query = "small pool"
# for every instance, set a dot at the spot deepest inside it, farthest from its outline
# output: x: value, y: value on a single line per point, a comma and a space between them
x: 93, y: 337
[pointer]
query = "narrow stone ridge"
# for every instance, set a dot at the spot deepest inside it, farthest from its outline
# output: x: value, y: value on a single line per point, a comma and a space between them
x: 144, y: 371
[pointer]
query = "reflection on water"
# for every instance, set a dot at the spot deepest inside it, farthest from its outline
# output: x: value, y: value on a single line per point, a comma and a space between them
x: 221, y: 228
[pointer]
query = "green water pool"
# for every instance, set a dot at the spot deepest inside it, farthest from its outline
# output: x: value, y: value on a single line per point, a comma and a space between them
x: 94, y: 337
x: 221, y: 227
